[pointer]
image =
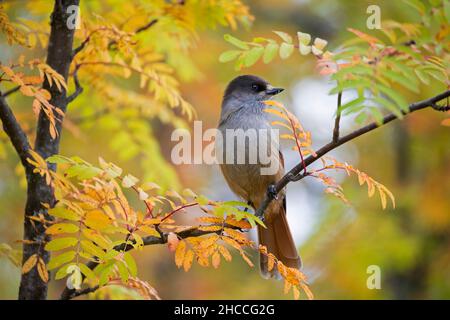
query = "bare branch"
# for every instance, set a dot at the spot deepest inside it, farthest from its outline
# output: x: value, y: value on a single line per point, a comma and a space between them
x: 14, y: 131
x: 78, y: 87
x: 11, y: 91
x: 295, y: 175
x: 147, y: 26
x: 338, y: 118
x: 68, y: 294
x: 88, y: 38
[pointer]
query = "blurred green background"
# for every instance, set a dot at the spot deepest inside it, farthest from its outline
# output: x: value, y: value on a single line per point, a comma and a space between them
x: 410, y: 244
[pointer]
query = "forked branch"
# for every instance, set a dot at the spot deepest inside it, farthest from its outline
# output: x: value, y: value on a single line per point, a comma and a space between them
x: 295, y: 173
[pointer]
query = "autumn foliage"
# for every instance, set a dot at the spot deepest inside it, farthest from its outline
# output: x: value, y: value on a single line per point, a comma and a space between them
x: 102, y: 216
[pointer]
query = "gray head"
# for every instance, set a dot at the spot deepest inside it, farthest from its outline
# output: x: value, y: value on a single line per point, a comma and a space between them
x: 250, y: 88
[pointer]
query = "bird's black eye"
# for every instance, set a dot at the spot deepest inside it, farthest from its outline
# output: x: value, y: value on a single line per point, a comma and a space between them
x: 256, y: 87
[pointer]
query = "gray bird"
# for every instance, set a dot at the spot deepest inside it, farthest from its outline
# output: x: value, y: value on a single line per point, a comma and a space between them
x: 243, y: 108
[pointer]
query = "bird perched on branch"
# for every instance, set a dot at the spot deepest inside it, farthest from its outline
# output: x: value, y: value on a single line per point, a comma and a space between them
x: 243, y: 114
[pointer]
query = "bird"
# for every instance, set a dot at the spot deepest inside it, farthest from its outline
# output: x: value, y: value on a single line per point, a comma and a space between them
x: 243, y: 108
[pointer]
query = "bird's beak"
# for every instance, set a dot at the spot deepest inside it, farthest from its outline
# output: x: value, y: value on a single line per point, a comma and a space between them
x: 273, y: 91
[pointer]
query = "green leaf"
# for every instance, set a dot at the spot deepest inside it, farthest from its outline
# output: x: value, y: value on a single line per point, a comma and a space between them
x: 270, y: 52
x: 395, y: 96
x: 253, y: 55
x: 402, y: 80
x: 82, y: 171
x: 59, y: 159
x: 423, y: 77
x: 388, y: 105
x: 61, y: 259
x: 131, y: 264
x: 88, y: 273
x: 129, y: 181
x: 283, y: 35
x: 202, y: 200
x: 61, y: 243
x: 236, y: 42
x: 105, y: 273
x: 64, y: 213
x: 447, y: 10
x: 62, y: 272
x: 352, y: 103
x: 286, y: 50
x: 123, y: 271
x: 229, y: 55
x: 91, y: 248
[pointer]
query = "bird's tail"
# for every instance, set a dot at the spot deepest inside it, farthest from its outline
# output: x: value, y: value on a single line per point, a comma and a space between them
x: 277, y: 238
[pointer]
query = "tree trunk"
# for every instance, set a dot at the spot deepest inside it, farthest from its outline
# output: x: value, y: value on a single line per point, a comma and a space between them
x: 59, y: 56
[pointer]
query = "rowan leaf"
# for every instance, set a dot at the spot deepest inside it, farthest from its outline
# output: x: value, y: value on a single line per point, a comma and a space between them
x: 56, y: 261
x: 180, y: 253
x: 61, y: 243
x: 30, y: 263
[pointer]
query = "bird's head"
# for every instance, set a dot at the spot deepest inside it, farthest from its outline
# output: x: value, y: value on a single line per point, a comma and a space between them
x: 249, y: 87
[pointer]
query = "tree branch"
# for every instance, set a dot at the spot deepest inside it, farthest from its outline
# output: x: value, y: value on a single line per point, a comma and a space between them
x: 88, y: 38
x: 11, y: 91
x: 39, y: 193
x: 78, y: 87
x: 68, y: 294
x: 14, y: 131
x: 338, y: 118
x: 295, y: 175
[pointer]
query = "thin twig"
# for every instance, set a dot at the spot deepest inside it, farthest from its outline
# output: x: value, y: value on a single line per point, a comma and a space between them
x: 68, y: 294
x: 338, y: 118
x: 11, y: 91
x: 78, y: 87
x: 14, y: 131
x: 295, y: 175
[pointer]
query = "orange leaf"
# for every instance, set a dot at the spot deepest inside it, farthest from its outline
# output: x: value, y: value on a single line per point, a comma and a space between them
x: 216, y: 260
x: 29, y: 264
x: 42, y: 270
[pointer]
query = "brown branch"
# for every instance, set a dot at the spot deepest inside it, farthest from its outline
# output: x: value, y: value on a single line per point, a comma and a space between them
x: 78, y: 87
x: 68, y: 294
x: 338, y: 118
x: 14, y: 131
x: 11, y: 91
x: 88, y: 38
x: 295, y: 173
x: 39, y: 193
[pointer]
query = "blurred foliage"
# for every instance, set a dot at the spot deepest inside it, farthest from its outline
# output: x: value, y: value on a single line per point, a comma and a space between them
x: 138, y: 86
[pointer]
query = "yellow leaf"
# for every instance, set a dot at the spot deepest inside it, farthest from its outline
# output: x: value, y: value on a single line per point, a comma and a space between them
x: 270, y: 261
x: 277, y: 113
x: 180, y: 253
x: 383, y: 199
x: 29, y: 264
x: 306, y: 289
x: 296, y: 292
x: 246, y: 259
x: 225, y: 253
x: 287, y: 286
x: 188, y: 258
x: 150, y: 231
x: 209, y: 228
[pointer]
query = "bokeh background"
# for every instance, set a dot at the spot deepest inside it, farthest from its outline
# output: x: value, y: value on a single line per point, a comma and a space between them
x: 337, y: 242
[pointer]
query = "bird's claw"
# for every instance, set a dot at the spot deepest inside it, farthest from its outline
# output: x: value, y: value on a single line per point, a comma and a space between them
x: 272, y: 192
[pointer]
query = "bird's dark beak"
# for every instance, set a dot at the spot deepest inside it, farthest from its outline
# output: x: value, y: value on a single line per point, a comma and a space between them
x: 273, y: 91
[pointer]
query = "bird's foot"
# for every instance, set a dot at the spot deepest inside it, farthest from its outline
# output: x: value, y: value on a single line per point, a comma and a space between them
x: 272, y: 193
